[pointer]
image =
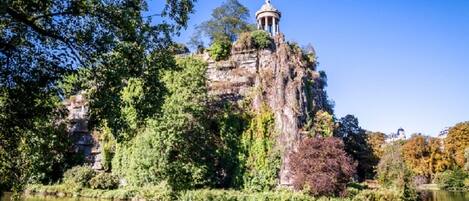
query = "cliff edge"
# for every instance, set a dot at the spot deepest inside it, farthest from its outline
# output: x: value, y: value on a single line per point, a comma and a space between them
x: 280, y: 77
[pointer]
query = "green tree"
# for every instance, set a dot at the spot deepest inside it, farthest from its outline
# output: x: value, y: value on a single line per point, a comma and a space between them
x: 227, y: 22
x: 41, y: 41
x: 392, y: 169
x: 356, y: 144
x: 323, y: 124
x: 457, y: 141
x: 175, y: 146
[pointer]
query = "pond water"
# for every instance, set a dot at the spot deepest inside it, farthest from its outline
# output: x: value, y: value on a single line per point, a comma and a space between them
x: 437, y: 195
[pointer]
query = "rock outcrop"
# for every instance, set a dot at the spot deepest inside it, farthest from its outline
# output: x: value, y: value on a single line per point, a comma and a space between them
x: 84, y: 143
x: 281, y: 78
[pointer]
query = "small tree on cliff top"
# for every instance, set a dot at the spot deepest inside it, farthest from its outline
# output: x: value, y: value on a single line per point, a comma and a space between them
x: 227, y: 22
x: 322, y: 167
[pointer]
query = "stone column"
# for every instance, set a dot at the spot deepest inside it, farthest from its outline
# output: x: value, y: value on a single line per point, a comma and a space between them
x: 266, y: 25
x: 278, y: 27
x: 274, y: 26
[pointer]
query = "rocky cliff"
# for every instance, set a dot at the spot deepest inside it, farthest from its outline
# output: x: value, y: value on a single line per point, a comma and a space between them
x: 280, y: 77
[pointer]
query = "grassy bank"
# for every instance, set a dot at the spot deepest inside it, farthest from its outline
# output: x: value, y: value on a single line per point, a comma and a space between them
x: 429, y: 187
x: 161, y: 193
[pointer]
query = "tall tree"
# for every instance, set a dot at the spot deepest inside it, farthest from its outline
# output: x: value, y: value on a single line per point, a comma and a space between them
x: 439, y: 160
x: 227, y: 22
x: 43, y: 40
x: 416, y: 154
x: 457, y: 141
x: 356, y: 145
x: 376, y: 140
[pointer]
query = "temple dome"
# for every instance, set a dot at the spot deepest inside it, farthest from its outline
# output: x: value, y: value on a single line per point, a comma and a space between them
x: 268, y: 18
x: 267, y: 7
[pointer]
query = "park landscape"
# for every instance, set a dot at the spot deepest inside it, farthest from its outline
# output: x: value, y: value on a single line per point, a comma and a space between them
x: 100, y: 100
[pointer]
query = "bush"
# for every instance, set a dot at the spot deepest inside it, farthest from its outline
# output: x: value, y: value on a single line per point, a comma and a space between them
x: 378, y: 195
x: 244, y: 42
x: 222, y: 195
x: 453, y: 180
x: 104, y: 181
x: 220, y: 49
x: 322, y: 167
x: 261, y: 39
x: 79, y: 176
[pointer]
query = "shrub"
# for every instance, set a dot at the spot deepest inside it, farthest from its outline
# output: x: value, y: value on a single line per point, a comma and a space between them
x: 261, y: 39
x: 453, y: 180
x: 104, y: 181
x: 322, y: 167
x: 378, y: 195
x: 79, y: 176
x: 220, y: 49
x: 221, y: 195
x: 244, y: 41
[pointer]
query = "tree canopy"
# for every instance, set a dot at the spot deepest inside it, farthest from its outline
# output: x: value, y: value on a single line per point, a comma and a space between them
x: 44, y: 41
x: 457, y: 141
x: 226, y: 23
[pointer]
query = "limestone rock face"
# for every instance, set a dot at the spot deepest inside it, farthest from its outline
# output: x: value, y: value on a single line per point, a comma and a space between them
x: 281, y: 79
x: 84, y: 142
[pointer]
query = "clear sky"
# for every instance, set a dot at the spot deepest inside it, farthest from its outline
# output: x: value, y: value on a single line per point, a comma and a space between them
x: 393, y: 63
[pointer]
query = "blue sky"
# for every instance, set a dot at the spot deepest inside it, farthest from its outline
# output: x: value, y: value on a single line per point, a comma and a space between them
x: 393, y: 63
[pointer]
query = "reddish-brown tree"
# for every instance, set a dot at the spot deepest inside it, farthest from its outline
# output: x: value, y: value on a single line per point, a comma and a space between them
x: 322, y: 167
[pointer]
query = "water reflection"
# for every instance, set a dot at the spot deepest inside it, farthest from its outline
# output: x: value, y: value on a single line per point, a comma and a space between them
x: 443, y: 196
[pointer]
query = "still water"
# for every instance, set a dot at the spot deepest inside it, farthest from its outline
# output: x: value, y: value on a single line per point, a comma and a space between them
x: 444, y: 196
x: 424, y: 196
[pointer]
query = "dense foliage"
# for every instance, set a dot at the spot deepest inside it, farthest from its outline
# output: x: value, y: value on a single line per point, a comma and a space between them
x: 376, y: 141
x: 357, y: 146
x: 104, y: 181
x: 220, y: 50
x: 391, y: 168
x: 43, y: 41
x: 261, y: 39
x: 323, y: 124
x: 453, y: 180
x: 457, y: 141
x: 162, y: 135
x: 79, y: 176
x: 260, y: 155
x: 466, y: 154
x: 177, y: 136
x: 322, y: 167
x: 253, y: 40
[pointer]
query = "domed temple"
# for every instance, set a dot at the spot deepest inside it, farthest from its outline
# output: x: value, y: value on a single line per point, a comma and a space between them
x: 268, y: 18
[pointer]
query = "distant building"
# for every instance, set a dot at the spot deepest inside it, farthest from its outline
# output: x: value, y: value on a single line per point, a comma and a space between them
x: 399, y: 135
x: 443, y: 134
